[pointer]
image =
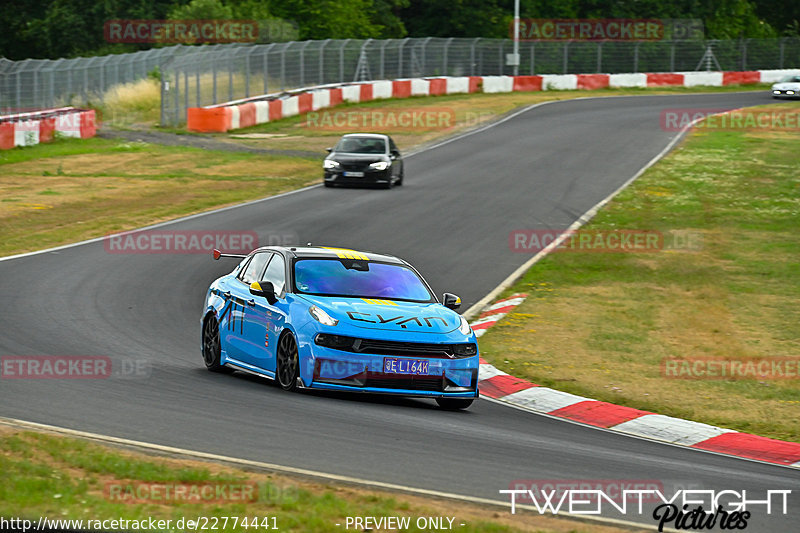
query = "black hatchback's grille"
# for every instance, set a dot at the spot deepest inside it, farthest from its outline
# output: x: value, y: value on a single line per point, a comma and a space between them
x: 354, y: 166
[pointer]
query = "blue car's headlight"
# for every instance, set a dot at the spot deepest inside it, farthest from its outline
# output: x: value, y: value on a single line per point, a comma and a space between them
x: 463, y: 327
x: 339, y: 342
x: 321, y: 316
x: 465, y: 350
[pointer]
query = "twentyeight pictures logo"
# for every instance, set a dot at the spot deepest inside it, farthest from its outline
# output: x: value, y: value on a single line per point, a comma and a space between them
x: 693, y: 509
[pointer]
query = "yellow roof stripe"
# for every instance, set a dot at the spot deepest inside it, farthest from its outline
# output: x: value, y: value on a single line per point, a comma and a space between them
x: 345, y: 253
x: 378, y: 302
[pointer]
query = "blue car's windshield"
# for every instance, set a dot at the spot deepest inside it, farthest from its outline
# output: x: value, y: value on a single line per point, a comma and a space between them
x: 363, y: 279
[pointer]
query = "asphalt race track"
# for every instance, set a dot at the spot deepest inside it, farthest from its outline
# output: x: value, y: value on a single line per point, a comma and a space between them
x: 451, y: 219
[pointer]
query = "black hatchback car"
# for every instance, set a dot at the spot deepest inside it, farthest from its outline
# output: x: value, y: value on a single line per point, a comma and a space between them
x: 364, y: 159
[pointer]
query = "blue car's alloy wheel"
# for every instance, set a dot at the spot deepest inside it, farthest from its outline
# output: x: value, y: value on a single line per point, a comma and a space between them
x: 338, y: 319
x: 287, y: 362
x: 211, y: 346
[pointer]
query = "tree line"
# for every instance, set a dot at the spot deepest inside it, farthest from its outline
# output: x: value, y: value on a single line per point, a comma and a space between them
x: 71, y: 28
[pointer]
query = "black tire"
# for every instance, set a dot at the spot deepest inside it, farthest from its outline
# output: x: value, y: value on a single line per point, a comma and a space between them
x: 328, y: 183
x: 212, y: 350
x: 287, y: 365
x: 454, y: 404
x: 400, y: 178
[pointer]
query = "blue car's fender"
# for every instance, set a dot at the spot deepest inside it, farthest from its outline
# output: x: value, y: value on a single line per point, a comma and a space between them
x: 301, y: 325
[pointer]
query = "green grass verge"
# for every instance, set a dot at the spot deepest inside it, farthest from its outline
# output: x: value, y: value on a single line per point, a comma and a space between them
x: 70, y: 190
x: 602, y: 324
x: 65, y: 478
x: 74, y: 189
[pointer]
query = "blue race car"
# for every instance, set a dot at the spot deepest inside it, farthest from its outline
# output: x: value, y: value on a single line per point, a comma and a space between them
x: 337, y: 319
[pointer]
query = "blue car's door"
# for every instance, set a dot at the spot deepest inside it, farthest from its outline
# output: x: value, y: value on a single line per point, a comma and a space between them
x: 232, y: 325
x: 264, y: 321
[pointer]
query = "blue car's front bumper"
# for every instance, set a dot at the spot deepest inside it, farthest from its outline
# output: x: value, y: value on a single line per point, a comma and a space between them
x: 328, y: 368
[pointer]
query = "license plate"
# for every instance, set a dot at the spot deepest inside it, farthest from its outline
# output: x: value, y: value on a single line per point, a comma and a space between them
x: 353, y: 174
x: 395, y: 365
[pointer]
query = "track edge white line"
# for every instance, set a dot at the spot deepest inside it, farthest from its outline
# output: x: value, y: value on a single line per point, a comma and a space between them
x: 159, y: 449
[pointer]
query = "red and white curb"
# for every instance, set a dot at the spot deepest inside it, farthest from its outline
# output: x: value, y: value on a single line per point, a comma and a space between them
x: 269, y: 107
x: 28, y: 129
x: 498, y: 385
x: 495, y: 312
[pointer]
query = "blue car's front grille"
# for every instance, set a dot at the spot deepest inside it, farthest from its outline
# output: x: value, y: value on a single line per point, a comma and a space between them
x: 402, y: 348
x: 397, y: 348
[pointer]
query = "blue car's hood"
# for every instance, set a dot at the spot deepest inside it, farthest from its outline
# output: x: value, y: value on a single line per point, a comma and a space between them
x: 388, y: 315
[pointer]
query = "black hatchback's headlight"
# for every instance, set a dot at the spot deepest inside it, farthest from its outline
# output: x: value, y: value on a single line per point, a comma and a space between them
x: 379, y: 165
x: 329, y: 164
x: 465, y: 350
x: 339, y: 342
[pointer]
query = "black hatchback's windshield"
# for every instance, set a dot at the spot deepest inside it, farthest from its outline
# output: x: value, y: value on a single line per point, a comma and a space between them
x: 361, y: 145
x: 360, y: 279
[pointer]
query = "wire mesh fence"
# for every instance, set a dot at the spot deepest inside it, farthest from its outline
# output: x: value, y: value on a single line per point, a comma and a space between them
x: 205, y: 75
x: 206, y: 78
x: 34, y: 84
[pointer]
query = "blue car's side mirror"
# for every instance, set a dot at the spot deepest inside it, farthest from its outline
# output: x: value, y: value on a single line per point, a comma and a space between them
x: 264, y: 289
x: 451, y: 301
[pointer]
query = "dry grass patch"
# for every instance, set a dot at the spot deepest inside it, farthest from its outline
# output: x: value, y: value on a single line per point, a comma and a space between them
x: 601, y: 324
x: 132, y: 103
x: 48, y: 201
